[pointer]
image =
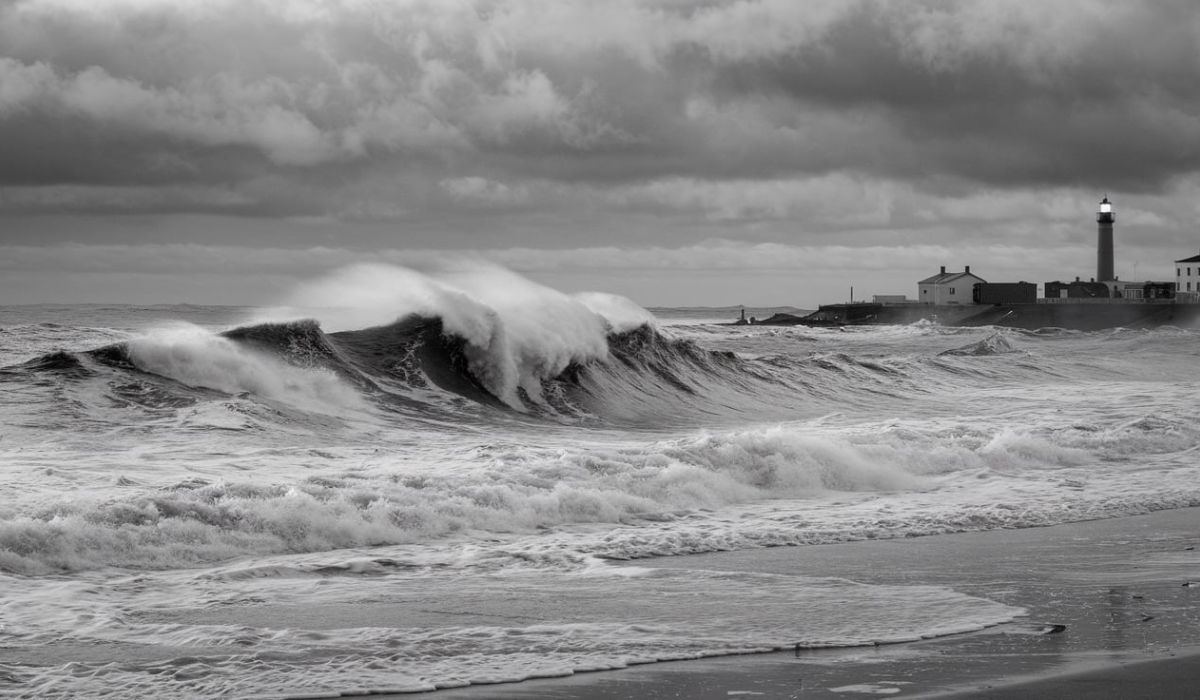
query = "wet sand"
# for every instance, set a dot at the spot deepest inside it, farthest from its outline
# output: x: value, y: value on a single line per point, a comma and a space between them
x: 1172, y: 677
x: 1132, y: 625
x: 765, y: 678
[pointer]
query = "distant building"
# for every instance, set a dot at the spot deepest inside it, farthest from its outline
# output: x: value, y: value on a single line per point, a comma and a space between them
x: 889, y: 299
x: 1005, y: 293
x: 1077, y: 290
x: 948, y: 287
x: 1147, y: 291
x: 1187, y: 275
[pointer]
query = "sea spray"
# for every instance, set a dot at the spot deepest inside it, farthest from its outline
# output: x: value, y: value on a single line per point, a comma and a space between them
x: 198, y: 357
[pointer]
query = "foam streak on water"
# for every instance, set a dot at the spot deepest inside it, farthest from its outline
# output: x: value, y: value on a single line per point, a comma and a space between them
x: 198, y: 504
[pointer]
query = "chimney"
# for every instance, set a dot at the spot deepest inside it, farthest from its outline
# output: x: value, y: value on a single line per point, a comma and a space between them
x: 943, y: 269
x: 968, y: 269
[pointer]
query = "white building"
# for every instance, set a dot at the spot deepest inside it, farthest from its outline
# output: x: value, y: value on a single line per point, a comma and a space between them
x: 948, y: 287
x: 1187, y: 277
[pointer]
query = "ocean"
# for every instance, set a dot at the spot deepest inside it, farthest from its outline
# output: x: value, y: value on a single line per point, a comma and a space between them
x: 458, y: 489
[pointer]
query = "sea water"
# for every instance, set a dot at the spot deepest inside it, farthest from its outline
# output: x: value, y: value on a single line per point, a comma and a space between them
x: 404, y: 481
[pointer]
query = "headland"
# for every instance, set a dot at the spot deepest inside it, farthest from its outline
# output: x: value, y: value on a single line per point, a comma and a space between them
x: 954, y: 298
x: 1080, y: 316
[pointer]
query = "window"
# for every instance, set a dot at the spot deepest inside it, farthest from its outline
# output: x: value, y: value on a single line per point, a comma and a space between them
x: 1189, y: 286
x: 952, y: 290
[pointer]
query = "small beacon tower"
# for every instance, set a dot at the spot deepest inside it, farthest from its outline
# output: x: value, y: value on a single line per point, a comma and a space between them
x: 1104, y: 241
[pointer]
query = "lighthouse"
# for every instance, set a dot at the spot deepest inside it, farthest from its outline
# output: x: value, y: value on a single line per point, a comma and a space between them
x: 1104, y: 241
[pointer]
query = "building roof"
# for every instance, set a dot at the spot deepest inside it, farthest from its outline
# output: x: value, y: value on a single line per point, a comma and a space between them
x: 1194, y: 258
x: 948, y: 277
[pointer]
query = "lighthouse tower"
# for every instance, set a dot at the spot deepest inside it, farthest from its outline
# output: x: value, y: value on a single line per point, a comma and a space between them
x: 1104, y: 241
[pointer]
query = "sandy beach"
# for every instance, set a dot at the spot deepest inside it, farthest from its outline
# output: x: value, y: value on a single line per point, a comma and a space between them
x: 1131, y: 624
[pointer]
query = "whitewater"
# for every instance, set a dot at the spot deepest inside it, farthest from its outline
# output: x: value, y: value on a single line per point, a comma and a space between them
x: 400, y: 481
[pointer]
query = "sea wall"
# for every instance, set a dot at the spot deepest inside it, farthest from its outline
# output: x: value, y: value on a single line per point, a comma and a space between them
x: 1075, y: 316
x: 1087, y: 317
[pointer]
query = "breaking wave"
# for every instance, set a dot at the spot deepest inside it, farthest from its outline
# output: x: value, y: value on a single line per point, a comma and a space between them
x: 994, y: 344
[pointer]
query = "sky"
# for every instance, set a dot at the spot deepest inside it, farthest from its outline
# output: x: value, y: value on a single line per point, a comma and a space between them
x: 718, y: 152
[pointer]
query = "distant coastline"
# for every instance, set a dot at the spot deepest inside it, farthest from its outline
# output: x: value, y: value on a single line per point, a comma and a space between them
x: 1029, y: 316
x: 963, y: 298
x: 725, y: 314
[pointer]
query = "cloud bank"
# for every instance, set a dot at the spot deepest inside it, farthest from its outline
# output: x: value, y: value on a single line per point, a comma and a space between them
x: 546, y: 124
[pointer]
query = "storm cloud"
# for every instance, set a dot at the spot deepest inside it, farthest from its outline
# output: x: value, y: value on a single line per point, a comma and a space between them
x: 542, y: 124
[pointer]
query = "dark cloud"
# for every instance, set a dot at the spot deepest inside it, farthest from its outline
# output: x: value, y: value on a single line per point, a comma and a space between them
x: 552, y: 124
x: 1003, y: 93
x: 994, y: 92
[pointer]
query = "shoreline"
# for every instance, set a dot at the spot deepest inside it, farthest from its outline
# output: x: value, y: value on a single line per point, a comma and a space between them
x: 1171, y: 676
x: 1117, y: 585
x: 777, y: 675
